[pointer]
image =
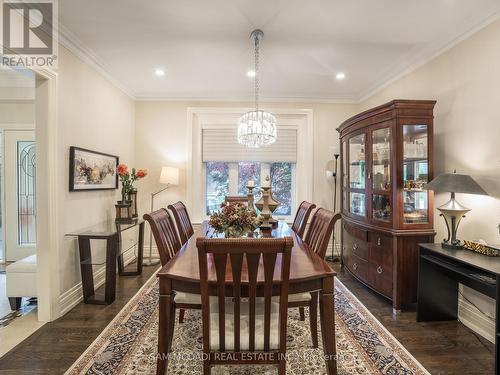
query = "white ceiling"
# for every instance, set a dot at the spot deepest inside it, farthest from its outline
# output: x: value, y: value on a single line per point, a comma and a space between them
x: 204, y: 47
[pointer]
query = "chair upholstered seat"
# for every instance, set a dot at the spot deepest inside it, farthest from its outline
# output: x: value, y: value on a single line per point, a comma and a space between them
x: 244, y: 325
x: 189, y: 298
x: 300, y: 297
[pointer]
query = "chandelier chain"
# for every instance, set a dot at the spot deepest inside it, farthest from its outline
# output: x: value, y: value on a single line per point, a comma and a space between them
x: 257, y: 83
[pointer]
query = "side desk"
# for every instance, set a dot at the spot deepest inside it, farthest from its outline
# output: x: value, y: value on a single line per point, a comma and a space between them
x: 111, y: 232
x: 439, y: 273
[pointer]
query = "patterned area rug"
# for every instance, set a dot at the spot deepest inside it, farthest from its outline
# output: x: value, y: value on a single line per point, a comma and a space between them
x: 128, y: 344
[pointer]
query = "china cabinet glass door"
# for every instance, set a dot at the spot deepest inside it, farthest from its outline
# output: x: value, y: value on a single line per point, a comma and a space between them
x: 381, y: 175
x: 415, y: 174
x: 356, y: 175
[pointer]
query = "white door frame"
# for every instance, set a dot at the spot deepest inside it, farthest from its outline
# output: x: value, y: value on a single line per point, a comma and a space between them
x: 46, y: 195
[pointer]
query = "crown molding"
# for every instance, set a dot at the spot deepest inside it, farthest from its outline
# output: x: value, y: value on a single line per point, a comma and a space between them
x: 434, y: 51
x: 315, y: 100
x: 70, y: 41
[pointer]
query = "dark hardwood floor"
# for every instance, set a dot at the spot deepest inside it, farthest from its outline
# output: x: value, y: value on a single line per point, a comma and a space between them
x: 442, y: 347
x: 54, y: 347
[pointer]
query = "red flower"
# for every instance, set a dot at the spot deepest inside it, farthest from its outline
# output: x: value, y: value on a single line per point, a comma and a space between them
x: 141, y: 173
x: 122, y: 169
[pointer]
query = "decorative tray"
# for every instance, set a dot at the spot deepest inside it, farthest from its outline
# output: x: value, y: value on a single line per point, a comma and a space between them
x: 481, y: 249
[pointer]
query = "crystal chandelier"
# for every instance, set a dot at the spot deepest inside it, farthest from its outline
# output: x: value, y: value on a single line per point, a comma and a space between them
x: 257, y: 128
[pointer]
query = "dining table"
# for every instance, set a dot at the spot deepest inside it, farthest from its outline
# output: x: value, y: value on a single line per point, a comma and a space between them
x: 308, y: 273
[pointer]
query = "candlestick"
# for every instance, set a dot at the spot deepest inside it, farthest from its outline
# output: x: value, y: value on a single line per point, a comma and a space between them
x: 250, y: 196
x: 266, y: 183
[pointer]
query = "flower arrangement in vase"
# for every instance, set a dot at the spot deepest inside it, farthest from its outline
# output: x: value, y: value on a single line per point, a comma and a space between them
x: 234, y: 220
x: 127, y: 179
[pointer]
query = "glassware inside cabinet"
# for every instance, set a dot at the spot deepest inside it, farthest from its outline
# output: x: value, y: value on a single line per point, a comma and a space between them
x: 415, y: 173
x: 381, y: 159
x: 381, y: 207
x: 358, y: 206
x: 357, y: 162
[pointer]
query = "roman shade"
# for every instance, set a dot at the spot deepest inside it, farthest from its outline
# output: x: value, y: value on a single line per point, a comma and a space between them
x: 220, y: 144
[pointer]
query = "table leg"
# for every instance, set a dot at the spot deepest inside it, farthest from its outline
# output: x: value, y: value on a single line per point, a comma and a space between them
x: 112, y: 245
x: 86, y: 268
x: 326, y: 310
x: 165, y: 324
x: 140, y: 249
x: 140, y: 252
x: 437, y: 293
x: 497, y: 327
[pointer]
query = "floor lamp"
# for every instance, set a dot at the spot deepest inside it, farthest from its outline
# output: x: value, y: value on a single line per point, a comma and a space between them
x: 331, y: 172
x: 170, y: 177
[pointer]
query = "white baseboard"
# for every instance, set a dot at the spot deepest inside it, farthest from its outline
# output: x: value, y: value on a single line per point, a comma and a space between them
x: 74, y: 296
x: 475, y: 320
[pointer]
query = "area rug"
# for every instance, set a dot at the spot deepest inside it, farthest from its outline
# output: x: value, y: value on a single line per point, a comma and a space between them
x: 128, y: 344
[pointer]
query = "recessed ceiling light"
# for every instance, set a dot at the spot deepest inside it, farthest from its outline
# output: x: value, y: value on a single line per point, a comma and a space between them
x: 160, y: 72
x: 251, y: 73
x: 340, y: 76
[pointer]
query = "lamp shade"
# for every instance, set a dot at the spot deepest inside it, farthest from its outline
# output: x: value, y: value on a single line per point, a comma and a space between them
x: 455, y: 183
x: 169, y: 175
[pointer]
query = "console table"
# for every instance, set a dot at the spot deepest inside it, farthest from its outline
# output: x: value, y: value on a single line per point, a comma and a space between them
x: 439, y: 273
x: 111, y: 232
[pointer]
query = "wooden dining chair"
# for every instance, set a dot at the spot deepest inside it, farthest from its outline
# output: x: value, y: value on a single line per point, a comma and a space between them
x: 168, y: 245
x: 317, y: 238
x: 236, y: 199
x: 301, y: 217
x: 246, y: 325
x: 181, y: 216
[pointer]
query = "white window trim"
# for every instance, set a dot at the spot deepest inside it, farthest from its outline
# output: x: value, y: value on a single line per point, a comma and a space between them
x: 202, y: 118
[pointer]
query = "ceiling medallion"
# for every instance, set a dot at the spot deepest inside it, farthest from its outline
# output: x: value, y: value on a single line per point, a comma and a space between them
x: 257, y: 128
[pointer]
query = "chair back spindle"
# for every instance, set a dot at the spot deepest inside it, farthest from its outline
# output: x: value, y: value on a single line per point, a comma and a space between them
x: 181, y: 216
x: 241, y: 297
x: 320, y: 230
x: 301, y: 217
x: 164, y: 233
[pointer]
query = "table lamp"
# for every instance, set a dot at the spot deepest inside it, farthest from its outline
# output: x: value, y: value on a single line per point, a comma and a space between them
x: 452, y: 211
x: 169, y: 176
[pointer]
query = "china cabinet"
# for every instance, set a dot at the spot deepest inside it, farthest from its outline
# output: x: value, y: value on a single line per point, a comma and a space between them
x: 386, y: 159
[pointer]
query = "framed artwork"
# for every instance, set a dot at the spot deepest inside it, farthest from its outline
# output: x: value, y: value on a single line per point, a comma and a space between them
x: 92, y: 170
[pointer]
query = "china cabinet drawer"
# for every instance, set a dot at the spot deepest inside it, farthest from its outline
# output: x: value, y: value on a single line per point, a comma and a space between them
x: 381, y: 266
x: 380, y: 279
x: 357, y: 266
x: 356, y: 246
x: 380, y: 240
x: 355, y: 232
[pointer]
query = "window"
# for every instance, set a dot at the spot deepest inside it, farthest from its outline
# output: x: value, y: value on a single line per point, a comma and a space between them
x: 281, y: 183
x: 217, y: 184
x: 231, y: 179
x: 247, y: 171
x: 26, y: 172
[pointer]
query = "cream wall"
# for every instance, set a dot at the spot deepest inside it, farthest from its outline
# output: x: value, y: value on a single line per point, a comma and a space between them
x: 17, y: 104
x: 465, y: 81
x: 162, y: 139
x: 93, y: 114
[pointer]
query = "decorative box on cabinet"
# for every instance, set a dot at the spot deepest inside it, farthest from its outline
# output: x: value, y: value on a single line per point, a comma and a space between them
x: 386, y: 158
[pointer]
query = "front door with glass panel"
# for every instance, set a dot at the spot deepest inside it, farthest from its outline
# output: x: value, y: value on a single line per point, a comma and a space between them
x: 20, y: 205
